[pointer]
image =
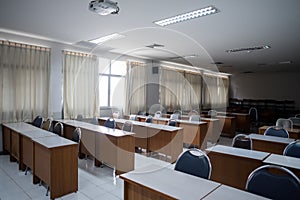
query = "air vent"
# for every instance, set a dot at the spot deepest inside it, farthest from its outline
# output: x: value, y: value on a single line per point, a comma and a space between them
x: 155, y: 46
x: 247, y: 49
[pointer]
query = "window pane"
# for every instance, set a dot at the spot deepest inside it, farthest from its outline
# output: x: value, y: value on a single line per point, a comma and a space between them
x: 117, y: 91
x: 104, y: 65
x: 118, y: 67
x: 103, y: 90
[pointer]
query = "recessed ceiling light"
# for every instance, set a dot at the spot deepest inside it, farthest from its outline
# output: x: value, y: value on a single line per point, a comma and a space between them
x: 187, y: 16
x: 155, y: 46
x: 247, y: 49
x: 285, y: 62
x: 106, y: 38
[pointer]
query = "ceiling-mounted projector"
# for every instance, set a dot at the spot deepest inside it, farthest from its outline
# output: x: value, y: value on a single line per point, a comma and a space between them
x: 104, y: 7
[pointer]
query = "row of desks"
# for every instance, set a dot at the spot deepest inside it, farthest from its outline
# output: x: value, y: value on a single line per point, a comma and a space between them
x: 48, y: 155
x: 112, y: 147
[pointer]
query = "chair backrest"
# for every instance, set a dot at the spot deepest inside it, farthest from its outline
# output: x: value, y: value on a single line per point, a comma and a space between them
x: 284, y: 123
x: 293, y: 149
x: 276, y: 131
x: 157, y: 114
x: 94, y: 121
x: 194, y: 162
x: 253, y: 114
x: 142, y: 113
x: 132, y: 117
x: 212, y: 113
x: 149, y: 119
x: 127, y: 126
x: 178, y: 113
x: 76, y: 137
x: 47, y: 124
x: 295, y: 120
x: 110, y: 123
x: 79, y: 117
x: 38, y: 121
x: 175, y: 116
x: 172, y: 122
x: 297, y: 115
x: 280, y: 183
x: 195, y: 118
x: 116, y: 114
x: 58, y: 129
x: 242, y: 141
x: 193, y: 112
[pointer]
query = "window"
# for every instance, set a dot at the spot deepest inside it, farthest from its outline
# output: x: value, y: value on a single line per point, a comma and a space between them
x: 111, y: 83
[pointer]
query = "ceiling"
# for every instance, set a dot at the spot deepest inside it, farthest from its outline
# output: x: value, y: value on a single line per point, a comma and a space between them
x: 199, y: 42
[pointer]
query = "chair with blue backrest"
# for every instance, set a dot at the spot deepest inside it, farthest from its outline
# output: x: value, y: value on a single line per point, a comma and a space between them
x: 94, y: 121
x: 38, y: 121
x: 297, y: 115
x: 58, y: 129
x: 284, y: 123
x: 157, y: 114
x: 110, y: 123
x: 295, y: 120
x: 277, y: 131
x: 149, y: 119
x: 172, y: 122
x: 195, y: 118
x: 127, y: 126
x: 212, y: 113
x: 293, y: 149
x: 79, y: 117
x: 141, y: 113
x: 274, y: 182
x: 133, y: 117
x: 242, y: 141
x: 194, y: 162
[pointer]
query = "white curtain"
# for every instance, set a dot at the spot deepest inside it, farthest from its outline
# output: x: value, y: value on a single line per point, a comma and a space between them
x: 193, y: 89
x: 24, y: 82
x: 216, y: 91
x: 80, y: 80
x: 135, y: 87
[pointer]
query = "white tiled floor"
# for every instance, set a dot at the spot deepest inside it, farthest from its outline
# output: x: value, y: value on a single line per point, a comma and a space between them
x: 93, y: 182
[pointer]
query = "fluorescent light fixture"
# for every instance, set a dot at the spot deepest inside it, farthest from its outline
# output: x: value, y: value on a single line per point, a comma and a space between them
x: 106, y: 38
x: 248, y: 49
x: 187, y: 16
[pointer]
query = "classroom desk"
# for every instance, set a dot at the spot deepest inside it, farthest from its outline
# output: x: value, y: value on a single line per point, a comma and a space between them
x: 291, y: 163
x: 155, y: 137
x: 112, y: 147
x: 56, y: 164
x: 19, y: 137
x: 232, y: 166
x: 225, y: 192
x: 242, y: 121
x: 293, y: 133
x: 271, y: 144
x: 229, y: 125
x: 155, y: 182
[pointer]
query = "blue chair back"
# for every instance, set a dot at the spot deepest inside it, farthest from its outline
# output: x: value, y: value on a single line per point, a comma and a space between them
x: 110, y: 123
x: 149, y: 119
x: 274, y: 185
x: 127, y: 126
x: 76, y: 137
x: 38, y: 121
x: 194, y: 162
x: 195, y: 118
x: 242, y: 141
x: 293, y: 149
x: 58, y: 129
x: 275, y: 131
x: 172, y: 122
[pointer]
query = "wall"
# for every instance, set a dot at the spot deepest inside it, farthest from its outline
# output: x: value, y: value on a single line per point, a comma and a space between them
x: 277, y: 85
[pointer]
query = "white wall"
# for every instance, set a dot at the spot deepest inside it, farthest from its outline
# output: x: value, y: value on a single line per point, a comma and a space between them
x: 277, y: 85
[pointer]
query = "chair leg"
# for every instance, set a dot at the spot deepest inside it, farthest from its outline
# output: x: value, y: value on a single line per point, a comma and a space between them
x: 40, y: 183
x: 26, y: 170
x: 47, y: 193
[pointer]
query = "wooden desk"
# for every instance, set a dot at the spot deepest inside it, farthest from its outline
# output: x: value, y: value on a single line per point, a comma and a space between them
x: 271, y: 144
x: 112, y: 147
x: 291, y: 163
x: 229, y: 125
x: 154, y: 182
x: 225, y: 192
x: 155, y: 137
x: 232, y: 166
x: 56, y: 163
x: 242, y: 121
x: 293, y: 133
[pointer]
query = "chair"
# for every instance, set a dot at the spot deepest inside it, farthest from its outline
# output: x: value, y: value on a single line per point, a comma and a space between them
x: 38, y: 121
x: 79, y: 117
x: 175, y: 116
x: 127, y: 126
x: 142, y: 113
x: 157, y: 114
x: 132, y: 117
x: 293, y: 149
x: 193, y: 112
x: 195, y: 118
x: 284, y: 123
x: 177, y: 113
x: 58, y: 129
x: 172, y: 122
x: 283, y: 184
x: 116, y: 114
x: 47, y: 124
x: 149, y: 119
x: 212, y: 113
x: 76, y: 137
x: 194, y: 162
x: 276, y: 131
x: 110, y: 123
x: 94, y: 121
x: 295, y: 120
x: 297, y: 115
x: 242, y: 141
